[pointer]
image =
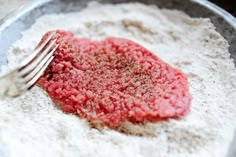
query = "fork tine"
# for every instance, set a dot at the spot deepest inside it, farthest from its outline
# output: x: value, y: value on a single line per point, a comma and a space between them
x: 37, y: 67
x: 36, y: 51
x: 27, y: 69
x: 31, y: 83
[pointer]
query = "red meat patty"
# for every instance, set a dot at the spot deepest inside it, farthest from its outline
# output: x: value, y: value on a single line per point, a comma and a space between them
x: 113, y: 81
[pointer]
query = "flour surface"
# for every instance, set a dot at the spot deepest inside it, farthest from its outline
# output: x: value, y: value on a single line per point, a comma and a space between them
x: 32, y: 125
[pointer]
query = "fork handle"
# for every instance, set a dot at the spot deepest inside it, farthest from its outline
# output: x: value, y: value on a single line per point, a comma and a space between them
x: 8, y: 86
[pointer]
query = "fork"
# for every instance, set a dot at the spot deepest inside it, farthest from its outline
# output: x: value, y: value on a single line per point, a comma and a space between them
x: 25, y: 76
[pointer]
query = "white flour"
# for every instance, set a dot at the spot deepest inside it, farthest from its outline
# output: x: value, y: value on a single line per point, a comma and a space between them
x: 32, y: 126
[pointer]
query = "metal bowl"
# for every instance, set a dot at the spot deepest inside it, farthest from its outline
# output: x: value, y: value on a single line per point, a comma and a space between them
x: 20, y: 20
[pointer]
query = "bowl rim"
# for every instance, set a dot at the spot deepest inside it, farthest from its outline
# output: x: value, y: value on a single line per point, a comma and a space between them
x: 218, y: 10
x: 30, y: 5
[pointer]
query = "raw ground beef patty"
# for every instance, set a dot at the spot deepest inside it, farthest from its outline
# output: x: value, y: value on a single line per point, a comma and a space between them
x: 113, y: 81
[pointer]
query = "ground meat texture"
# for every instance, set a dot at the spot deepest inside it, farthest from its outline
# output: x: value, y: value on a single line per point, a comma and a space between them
x: 113, y: 81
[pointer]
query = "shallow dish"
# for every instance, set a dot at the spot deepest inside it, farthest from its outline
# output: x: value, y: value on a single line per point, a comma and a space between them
x: 20, y: 20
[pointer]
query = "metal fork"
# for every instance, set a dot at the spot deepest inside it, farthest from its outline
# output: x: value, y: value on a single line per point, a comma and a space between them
x: 24, y: 77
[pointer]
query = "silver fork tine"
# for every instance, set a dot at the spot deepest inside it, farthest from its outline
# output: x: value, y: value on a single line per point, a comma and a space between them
x: 34, y: 68
x: 35, y: 53
x: 35, y: 62
x: 21, y: 79
x: 31, y: 83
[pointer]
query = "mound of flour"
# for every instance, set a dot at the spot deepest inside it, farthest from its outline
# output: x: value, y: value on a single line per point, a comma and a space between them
x: 31, y: 125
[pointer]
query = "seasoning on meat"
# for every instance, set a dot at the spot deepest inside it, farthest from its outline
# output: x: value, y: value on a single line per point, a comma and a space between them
x: 113, y: 81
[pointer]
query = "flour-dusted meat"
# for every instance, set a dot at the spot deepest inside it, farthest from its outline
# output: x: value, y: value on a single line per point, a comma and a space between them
x: 113, y: 81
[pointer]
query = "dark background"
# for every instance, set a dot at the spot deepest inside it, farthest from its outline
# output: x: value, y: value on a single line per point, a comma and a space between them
x: 228, y: 5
